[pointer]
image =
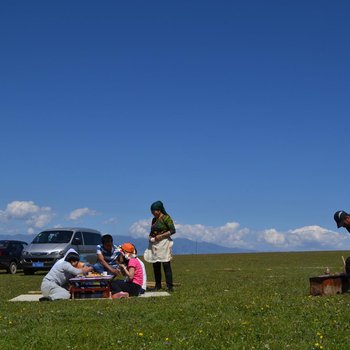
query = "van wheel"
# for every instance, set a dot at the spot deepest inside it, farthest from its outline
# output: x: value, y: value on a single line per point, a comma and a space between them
x: 28, y: 272
x: 12, y: 269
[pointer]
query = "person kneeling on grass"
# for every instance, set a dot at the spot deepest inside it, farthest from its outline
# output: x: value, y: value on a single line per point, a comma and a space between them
x: 132, y: 268
x: 55, y: 282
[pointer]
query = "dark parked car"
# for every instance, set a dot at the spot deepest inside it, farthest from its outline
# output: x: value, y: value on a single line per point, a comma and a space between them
x: 10, y: 255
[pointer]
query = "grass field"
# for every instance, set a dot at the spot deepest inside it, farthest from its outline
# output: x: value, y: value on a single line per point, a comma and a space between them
x: 233, y: 301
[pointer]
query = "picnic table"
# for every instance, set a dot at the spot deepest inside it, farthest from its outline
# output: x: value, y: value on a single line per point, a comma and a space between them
x: 91, y: 287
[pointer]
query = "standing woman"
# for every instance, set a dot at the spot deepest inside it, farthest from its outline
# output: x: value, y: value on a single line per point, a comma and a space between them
x: 159, y: 250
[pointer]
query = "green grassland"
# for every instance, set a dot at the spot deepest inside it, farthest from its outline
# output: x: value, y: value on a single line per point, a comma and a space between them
x: 229, y: 301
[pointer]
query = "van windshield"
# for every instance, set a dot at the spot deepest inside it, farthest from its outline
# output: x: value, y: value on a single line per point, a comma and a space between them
x: 53, y: 237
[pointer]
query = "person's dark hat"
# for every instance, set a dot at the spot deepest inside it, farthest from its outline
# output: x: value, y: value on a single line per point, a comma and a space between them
x: 339, y: 217
x: 106, y: 238
x: 72, y: 257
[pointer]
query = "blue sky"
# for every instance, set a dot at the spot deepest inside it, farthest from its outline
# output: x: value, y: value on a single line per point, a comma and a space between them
x: 233, y: 113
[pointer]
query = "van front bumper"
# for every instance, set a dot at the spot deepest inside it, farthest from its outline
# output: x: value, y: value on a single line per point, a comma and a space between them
x: 36, y: 264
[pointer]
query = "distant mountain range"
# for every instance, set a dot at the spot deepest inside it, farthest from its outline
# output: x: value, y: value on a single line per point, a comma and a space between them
x: 181, y: 245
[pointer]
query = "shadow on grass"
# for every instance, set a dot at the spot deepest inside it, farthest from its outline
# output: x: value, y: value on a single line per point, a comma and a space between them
x: 20, y: 272
x: 38, y: 273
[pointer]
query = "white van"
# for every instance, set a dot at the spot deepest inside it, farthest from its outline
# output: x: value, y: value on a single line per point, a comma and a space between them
x: 51, y: 244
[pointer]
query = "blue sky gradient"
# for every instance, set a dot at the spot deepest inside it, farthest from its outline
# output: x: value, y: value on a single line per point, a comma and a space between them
x: 234, y: 114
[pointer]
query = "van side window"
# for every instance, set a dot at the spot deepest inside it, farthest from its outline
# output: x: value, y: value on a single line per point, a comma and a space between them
x: 78, y: 238
x: 91, y: 238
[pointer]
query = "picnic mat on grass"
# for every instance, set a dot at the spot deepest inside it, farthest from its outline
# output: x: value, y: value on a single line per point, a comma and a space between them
x: 35, y: 297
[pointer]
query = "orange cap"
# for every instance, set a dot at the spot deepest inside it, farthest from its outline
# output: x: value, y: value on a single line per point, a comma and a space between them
x: 128, y: 247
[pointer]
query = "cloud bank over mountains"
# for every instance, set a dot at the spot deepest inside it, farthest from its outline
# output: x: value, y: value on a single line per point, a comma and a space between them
x: 231, y: 235
x: 26, y: 215
x: 227, y: 235
x: 304, y: 238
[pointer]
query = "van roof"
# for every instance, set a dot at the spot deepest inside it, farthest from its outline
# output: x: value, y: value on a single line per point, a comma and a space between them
x: 85, y: 229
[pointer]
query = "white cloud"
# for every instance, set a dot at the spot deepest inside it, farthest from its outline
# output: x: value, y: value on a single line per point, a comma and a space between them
x: 31, y: 214
x: 78, y: 213
x: 20, y: 209
x: 228, y: 235
x: 110, y: 221
x: 273, y: 237
x: 40, y: 220
x: 140, y: 228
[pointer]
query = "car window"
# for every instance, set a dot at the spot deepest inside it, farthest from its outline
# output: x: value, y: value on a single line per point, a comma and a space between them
x: 53, y: 237
x: 17, y: 248
x: 79, y: 236
x: 91, y: 238
x: 3, y: 244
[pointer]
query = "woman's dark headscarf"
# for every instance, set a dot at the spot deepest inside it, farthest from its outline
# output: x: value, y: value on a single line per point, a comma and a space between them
x: 158, y: 206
